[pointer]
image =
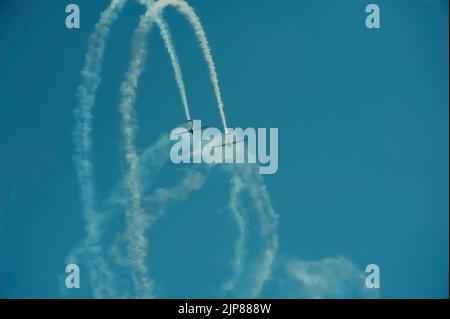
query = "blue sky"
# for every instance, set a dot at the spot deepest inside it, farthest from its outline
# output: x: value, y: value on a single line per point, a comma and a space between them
x: 363, y: 146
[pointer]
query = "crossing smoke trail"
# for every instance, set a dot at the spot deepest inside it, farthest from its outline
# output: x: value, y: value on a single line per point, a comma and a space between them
x: 249, y: 274
x: 138, y: 245
x: 245, y: 179
x: 83, y: 145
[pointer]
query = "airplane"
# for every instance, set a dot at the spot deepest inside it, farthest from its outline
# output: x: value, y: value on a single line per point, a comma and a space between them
x: 229, y: 143
x: 191, y: 129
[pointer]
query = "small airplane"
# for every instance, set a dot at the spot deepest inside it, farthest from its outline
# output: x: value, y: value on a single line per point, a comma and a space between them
x: 229, y: 143
x: 191, y: 129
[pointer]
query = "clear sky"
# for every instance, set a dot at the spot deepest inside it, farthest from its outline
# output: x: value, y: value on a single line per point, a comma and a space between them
x: 363, y: 149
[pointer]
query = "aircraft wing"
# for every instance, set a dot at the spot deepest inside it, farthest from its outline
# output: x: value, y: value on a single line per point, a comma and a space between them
x: 228, y: 144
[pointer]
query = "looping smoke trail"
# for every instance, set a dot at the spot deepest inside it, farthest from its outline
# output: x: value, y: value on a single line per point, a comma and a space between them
x: 86, y: 99
x: 137, y: 250
x: 135, y: 217
x: 136, y: 220
x: 83, y: 145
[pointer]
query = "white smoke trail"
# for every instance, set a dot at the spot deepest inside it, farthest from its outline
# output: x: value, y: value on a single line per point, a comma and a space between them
x: 194, y: 20
x: 167, y: 38
x: 245, y: 179
x: 83, y: 146
x: 136, y: 219
x: 164, y: 30
x: 268, y: 219
x: 240, y: 252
